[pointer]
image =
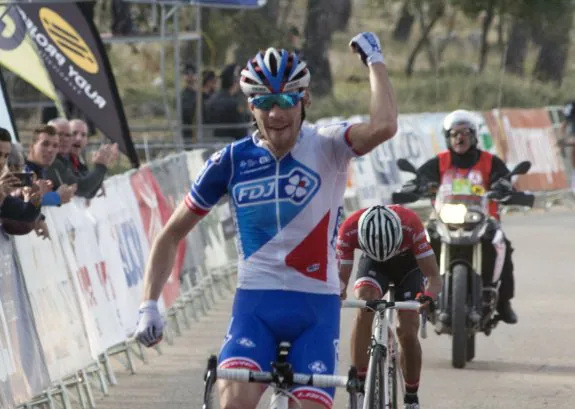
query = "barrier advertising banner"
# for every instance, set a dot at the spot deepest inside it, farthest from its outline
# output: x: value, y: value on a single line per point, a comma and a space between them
x: 123, y: 246
x: 76, y: 60
x: 55, y: 304
x: 174, y: 181
x: 527, y: 134
x: 76, y: 231
x: 23, y: 372
x: 155, y: 212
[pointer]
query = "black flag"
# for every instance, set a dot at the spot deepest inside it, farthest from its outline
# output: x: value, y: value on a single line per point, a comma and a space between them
x: 76, y: 60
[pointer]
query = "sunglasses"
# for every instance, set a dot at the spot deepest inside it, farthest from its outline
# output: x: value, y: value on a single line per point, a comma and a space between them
x: 283, y: 101
x: 463, y: 132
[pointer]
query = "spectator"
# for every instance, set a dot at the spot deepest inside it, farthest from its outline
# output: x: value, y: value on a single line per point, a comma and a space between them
x: 189, y: 99
x: 17, y: 163
x: 64, y: 133
x: 41, y: 155
x: 19, y: 205
x: 79, y: 141
x: 209, y: 84
x: 61, y: 170
x: 567, y: 140
x: 227, y: 106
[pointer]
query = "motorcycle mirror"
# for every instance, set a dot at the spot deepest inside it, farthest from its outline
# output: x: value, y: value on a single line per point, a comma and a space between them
x: 521, y: 168
x: 403, y: 197
x: 406, y: 165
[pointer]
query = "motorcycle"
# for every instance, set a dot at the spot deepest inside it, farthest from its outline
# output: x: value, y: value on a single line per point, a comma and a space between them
x: 459, y: 220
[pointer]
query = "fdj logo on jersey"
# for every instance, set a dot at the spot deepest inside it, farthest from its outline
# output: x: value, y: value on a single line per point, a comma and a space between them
x: 297, y: 187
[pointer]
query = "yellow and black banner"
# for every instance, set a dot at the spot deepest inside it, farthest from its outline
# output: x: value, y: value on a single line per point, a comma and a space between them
x: 72, y: 51
x: 17, y: 53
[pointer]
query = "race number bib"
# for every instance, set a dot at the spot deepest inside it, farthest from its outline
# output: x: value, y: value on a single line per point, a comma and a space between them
x: 466, y: 187
x: 461, y: 187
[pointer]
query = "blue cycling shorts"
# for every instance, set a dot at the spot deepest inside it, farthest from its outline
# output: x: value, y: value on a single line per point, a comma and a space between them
x: 261, y: 319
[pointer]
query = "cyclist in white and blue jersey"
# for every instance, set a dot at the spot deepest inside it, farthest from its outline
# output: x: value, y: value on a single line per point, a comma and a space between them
x: 286, y: 184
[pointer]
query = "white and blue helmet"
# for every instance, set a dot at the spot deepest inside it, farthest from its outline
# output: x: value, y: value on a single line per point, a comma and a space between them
x: 274, y: 71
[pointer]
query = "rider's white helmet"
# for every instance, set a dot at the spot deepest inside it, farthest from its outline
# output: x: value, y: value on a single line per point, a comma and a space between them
x: 460, y: 117
x: 379, y: 232
x: 274, y: 71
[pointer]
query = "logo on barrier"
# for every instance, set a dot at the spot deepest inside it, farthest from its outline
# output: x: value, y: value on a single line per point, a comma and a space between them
x: 68, y: 40
x: 297, y: 188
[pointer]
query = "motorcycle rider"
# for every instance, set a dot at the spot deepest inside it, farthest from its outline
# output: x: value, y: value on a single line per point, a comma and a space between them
x: 463, y: 159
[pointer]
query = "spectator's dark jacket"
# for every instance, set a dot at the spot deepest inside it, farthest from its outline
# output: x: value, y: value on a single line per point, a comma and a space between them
x: 62, y: 172
x: 223, y: 108
x: 14, y: 208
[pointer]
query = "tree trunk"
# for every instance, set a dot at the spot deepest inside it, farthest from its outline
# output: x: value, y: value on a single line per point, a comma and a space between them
x: 317, y: 40
x: 424, y: 39
x: 552, y: 58
x: 517, y: 47
x: 342, y: 14
x: 403, y: 27
x: 487, y: 20
x: 448, y: 35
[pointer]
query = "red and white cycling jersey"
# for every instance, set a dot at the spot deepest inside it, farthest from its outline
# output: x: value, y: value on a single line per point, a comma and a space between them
x: 414, y: 238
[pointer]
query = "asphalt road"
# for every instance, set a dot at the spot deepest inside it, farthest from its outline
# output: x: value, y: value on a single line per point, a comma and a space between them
x: 530, y: 365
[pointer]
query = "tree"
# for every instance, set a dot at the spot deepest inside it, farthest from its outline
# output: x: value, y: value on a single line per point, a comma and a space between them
x: 402, y: 30
x: 436, y: 11
x: 342, y: 14
x: 317, y: 35
x: 517, y: 47
x: 257, y: 29
x: 554, y: 43
x: 474, y: 8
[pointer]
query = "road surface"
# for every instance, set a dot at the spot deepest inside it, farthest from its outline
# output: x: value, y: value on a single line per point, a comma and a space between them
x: 530, y: 365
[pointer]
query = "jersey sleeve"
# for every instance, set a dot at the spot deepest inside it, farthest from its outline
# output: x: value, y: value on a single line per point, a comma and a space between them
x: 347, y: 240
x: 211, y: 183
x: 420, y: 247
x: 337, y: 144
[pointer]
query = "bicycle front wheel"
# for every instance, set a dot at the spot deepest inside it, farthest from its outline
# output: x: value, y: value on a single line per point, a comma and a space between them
x: 375, y: 380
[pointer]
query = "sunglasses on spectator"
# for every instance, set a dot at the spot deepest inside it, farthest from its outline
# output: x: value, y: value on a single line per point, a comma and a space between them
x: 283, y: 101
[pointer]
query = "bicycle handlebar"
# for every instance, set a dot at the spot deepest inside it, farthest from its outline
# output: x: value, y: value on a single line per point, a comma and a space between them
x: 246, y: 375
x: 382, y: 305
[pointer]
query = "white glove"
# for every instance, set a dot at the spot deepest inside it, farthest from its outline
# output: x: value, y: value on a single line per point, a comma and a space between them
x: 150, y: 324
x: 368, y: 47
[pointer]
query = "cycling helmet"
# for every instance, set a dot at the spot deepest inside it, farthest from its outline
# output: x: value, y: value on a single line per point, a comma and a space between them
x: 379, y: 232
x: 461, y: 117
x: 274, y: 71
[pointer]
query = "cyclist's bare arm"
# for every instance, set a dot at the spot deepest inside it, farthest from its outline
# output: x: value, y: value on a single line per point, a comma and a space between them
x: 164, y: 248
x: 383, y: 113
x: 345, y: 273
x: 430, y: 269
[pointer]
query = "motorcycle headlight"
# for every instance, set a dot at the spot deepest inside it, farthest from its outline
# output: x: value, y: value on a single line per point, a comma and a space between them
x: 458, y: 214
x: 473, y: 217
x: 453, y: 213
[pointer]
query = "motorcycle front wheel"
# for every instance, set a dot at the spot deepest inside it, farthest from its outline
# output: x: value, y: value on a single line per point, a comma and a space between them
x: 459, y: 336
